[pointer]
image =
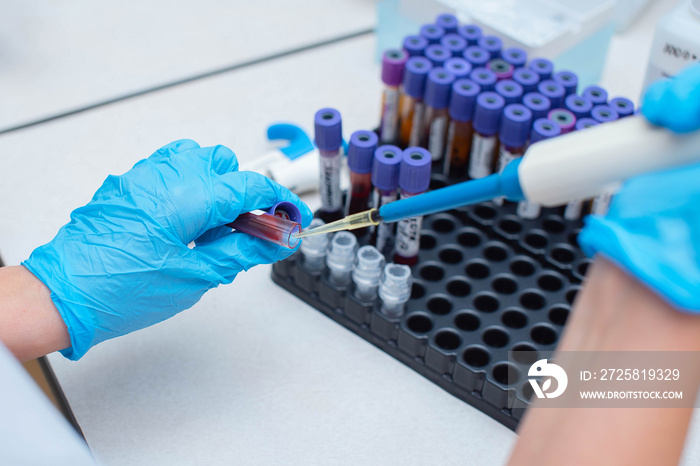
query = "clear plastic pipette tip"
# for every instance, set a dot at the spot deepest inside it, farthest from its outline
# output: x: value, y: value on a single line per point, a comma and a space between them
x: 351, y: 222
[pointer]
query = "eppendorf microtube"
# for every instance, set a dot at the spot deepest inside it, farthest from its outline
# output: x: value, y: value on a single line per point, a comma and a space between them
x: 314, y: 249
x: 268, y: 227
x: 341, y: 258
x: 368, y: 270
x: 395, y: 289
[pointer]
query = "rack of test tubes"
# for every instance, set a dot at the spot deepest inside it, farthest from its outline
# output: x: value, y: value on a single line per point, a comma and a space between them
x: 453, y: 294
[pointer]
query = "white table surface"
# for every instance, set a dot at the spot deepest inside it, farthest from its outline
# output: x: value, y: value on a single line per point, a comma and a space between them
x: 250, y: 375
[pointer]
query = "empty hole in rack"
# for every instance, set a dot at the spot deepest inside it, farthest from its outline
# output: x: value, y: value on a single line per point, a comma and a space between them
x: 583, y: 267
x: 495, y: 337
x: 432, y: 273
x: 450, y: 256
x: 514, y: 319
x: 571, y: 295
x: 495, y: 253
x: 505, y: 374
x: 573, y: 238
x: 469, y: 239
x: 504, y: 285
x: 477, y: 270
x: 553, y: 225
x: 437, y: 183
x: 563, y: 254
x: 447, y: 340
x: 524, y: 353
x: 535, y: 240
x: 558, y: 315
x: 467, y: 321
x: 427, y: 241
x: 485, y: 212
x: 417, y: 291
x: 486, y: 303
x: 459, y: 288
x: 550, y: 282
x: 522, y: 267
x: 543, y: 335
x: 439, y: 305
x: 510, y: 226
x: 443, y: 225
x: 532, y: 300
x: 476, y: 356
x: 419, y: 323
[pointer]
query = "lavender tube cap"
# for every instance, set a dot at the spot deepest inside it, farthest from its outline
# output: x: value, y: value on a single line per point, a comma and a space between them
x: 487, y: 113
x: 568, y: 80
x: 515, y: 125
x: 543, y: 129
x: 554, y: 91
x: 596, y: 94
x: 385, y: 167
x: 437, y: 89
x: 454, y: 43
x: 543, y: 67
x: 437, y: 54
x: 604, y: 113
x: 361, y: 151
x: 584, y: 123
x: 432, y: 32
x: 580, y: 106
x: 287, y: 211
x: 511, y: 91
x: 476, y: 56
x: 458, y: 67
x: 463, y: 100
x: 448, y: 22
x: 470, y: 32
x: 414, y: 175
x: 328, y: 129
x: 491, y: 44
x: 526, y: 78
x: 515, y: 56
x: 393, y: 63
x: 564, y: 118
x: 484, y: 78
x: 414, y: 76
x: 538, y: 104
x: 415, y: 45
x: 624, y: 107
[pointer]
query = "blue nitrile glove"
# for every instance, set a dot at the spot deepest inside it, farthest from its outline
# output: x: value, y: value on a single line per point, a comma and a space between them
x: 123, y: 262
x: 653, y: 226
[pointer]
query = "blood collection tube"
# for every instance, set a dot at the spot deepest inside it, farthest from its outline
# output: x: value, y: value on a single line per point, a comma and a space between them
x: 554, y: 91
x: 538, y: 104
x: 268, y: 227
x: 485, y: 78
x: 459, y: 67
x: 487, y: 114
x: 360, y: 155
x: 584, y: 123
x: 580, y: 106
x: 574, y: 209
x: 492, y: 45
x: 411, y: 105
x: 542, y: 129
x: 513, y: 133
x: 329, y: 138
x: 596, y: 94
x: 454, y: 43
x: 432, y: 33
x: 542, y: 67
x: 415, y: 45
x: 526, y: 78
x: 414, y: 179
x: 437, y: 98
x: 564, y: 118
x: 477, y: 56
x: 501, y: 68
x: 393, y: 63
x: 385, y: 178
x: 470, y: 32
x: 460, y: 133
x: 604, y: 113
x: 515, y: 56
x: 568, y: 80
x: 447, y: 22
x: 437, y: 54
x: 511, y: 91
x: 624, y: 107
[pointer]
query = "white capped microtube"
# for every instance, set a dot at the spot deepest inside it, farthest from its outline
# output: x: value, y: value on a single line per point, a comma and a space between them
x: 341, y: 258
x: 314, y: 248
x: 395, y: 289
x: 368, y: 270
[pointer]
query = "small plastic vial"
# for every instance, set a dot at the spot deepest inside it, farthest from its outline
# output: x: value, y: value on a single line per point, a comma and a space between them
x: 314, y: 249
x: 367, y: 272
x: 341, y: 258
x: 395, y: 289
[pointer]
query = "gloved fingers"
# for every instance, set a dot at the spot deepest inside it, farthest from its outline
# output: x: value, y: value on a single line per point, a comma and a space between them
x: 222, y: 159
x: 175, y: 147
x: 675, y: 102
x: 212, y: 235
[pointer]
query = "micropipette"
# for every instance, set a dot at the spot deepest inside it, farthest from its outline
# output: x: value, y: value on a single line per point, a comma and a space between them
x: 577, y: 165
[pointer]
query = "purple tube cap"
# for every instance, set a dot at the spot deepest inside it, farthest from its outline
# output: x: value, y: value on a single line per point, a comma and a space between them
x: 385, y: 167
x: 437, y: 54
x: 580, y: 106
x: 361, y: 151
x: 487, y: 113
x: 287, y: 211
x: 515, y: 56
x: 511, y: 91
x: 624, y: 107
x: 515, y: 125
x: 568, y: 79
x: 432, y: 32
x: 454, y: 43
x: 328, y: 129
x: 542, y: 129
x: 542, y: 66
x: 437, y: 89
x: 415, y: 45
x: 584, y: 123
x: 596, y: 94
x: 526, y: 78
x: 458, y: 67
x: 564, y: 118
x: 491, y: 44
x: 464, y: 92
x: 484, y: 78
x: 501, y: 68
x: 553, y: 90
x: 537, y: 103
x: 476, y: 56
x: 448, y: 22
x: 414, y: 76
x: 471, y: 33
x: 393, y: 63
x: 604, y: 113
x: 414, y: 175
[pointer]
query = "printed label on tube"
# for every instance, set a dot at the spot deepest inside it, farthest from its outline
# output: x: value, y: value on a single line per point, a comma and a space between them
x: 504, y: 158
x: 481, y: 160
x: 408, y: 234
x: 436, y: 140
x: 385, y: 231
x: 331, y: 195
x: 390, y: 115
x: 417, y: 125
x: 601, y: 203
x: 527, y: 209
x: 448, y: 149
x: 573, y: 209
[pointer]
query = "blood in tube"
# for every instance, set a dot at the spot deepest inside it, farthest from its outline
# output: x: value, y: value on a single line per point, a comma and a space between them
x: 437, y: 98
x: 512, y: 135
x: 385, y: 178
x: 411, y: 105
x: 268, y: 227
x: 415, y: 45
x: 393, y: 63
x: 487, y: 114
x: 360, y: 154
x: 329, y: 138
x: 460, y: 132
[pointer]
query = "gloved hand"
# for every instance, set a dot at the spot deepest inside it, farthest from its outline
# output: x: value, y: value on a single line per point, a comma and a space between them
x: 123, y: 263
x: 653, y: 226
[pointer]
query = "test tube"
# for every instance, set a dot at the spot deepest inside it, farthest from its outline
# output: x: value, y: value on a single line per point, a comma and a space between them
x: 487, y: 113
x: 395, y: 289
x: 501, y: 68
x: 459, y: 67
x: 415, y: 45
x: 454, y: 43
x: 437, y: 98
x: 414, y: 179
x: 447, y: 22
x: 513, y: 133
x: 393, y: 63
x: 515, y: 56
x: 511, y: 91
x: 584, y: 123
x: 367, y: 272
x: 596, y: 94
x: 526, y: 78
x: 412, y: 107
x: 460, y: 132
x: 491, y: 44
x: 271, y: 228
x: 564, y: 118
x: 554, y: 91
x: 624, y: 107
x: 580, y: 106
x: 485, y: 78
x: 470, y: 32
x: 437, y: 54
x: 477, y: 56
x: 385, y: 178
x: 329, y: 138
x: 314, y: 249
x: 542, y: 67
x: 542, y: 129
x: 568, y: 80
x: 341, y: 258
x: 604, y: 113
x: 573, y: 209
x: 432, y: 33
x: 360, y: 155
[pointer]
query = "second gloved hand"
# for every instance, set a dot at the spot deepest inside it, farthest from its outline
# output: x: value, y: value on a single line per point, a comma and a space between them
x: 123, y: 263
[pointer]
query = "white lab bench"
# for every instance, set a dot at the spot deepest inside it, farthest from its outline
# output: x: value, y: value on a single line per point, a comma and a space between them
x: 251, y: 374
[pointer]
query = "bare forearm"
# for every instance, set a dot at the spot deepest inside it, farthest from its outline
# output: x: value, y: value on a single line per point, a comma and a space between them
x: 30, y: 325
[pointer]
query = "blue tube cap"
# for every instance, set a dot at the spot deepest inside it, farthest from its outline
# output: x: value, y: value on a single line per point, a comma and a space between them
x: 448, y: 22
x: 526, y: 78
x: 414, y: 175
x: 470, y: 32
x: 432, y: 32
x: 414, y: 76
x: 437, y: 89
x: 484, y: 78
x: 476, y: 56
x: 437, y: 54
x: 464, y: 92
x: 596, y: 94
x: 515, y: 56
x: 584, y: 123
x: 491, y: 44
x: 543, y: 129
x: 538, y: 104
x: 568, y: 80
x: 554, y: 91
x: 487, y: 113
x: 624, y: 107
x: 454, y: 43
x: 385, y: 168
x: 543, y: 67
x: 511, y: 91
x: 286, y: 210
x: 458, y: 67
x: 604, y: 113
x: 361, y: 150
x: 415, y: 45
x: 578, y: 105
x: 515, y: 125
x: 328, y: 129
